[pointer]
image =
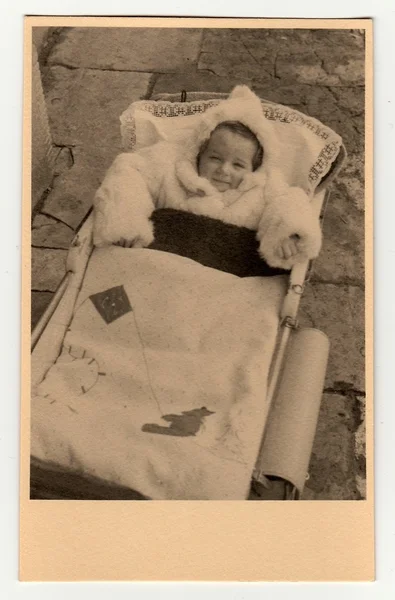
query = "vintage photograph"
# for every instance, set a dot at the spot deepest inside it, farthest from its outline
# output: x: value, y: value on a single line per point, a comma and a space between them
x: 197, y: 263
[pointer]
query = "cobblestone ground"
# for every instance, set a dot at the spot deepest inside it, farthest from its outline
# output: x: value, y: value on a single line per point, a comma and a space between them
x: 91, y: 75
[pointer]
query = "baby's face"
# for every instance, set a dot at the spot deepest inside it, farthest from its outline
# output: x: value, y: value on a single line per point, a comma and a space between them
x: 226, y: 159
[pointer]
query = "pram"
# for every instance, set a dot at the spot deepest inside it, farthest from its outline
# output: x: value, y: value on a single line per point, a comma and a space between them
x: 297, y: 366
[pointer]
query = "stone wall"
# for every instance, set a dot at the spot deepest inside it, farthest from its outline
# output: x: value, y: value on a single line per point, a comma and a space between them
x: 43, y: 150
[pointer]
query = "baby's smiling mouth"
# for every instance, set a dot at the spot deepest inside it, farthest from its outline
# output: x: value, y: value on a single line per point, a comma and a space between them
x: 220, y: 182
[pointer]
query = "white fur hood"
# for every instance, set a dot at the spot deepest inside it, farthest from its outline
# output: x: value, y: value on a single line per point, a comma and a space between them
x: 243, y: 106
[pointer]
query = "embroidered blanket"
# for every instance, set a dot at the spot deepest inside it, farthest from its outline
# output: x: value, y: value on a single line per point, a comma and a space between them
x: 160, y: 385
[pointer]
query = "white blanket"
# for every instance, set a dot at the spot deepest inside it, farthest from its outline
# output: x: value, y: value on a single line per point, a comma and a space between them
x: 161, y: 382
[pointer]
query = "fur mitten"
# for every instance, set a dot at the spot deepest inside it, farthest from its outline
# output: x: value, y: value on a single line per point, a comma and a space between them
x: 287, y: 212
x: 123, y: 205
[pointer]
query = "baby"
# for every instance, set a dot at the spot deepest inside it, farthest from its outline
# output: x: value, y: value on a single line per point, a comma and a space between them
x: 226, y: 158
x: 226, y: 169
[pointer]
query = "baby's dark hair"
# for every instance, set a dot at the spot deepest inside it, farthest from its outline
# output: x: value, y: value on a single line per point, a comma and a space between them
x: 245, y: 132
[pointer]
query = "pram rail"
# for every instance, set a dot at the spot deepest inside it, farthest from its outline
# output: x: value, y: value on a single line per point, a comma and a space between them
x: 45, y: 341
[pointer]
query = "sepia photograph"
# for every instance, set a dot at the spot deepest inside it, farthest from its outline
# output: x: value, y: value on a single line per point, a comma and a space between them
x: 198, y: 262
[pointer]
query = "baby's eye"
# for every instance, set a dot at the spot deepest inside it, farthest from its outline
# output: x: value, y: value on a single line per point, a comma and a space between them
x: 239, y: 165
x: 214, y: 157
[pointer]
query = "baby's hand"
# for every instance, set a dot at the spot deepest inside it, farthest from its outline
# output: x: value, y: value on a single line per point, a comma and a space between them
x: 137, y: 242
x: 289, y: 247
x: 124, y: 243
x: 139, y: 235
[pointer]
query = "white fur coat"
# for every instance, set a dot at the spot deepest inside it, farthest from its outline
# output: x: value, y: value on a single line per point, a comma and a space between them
x: 164, y: 176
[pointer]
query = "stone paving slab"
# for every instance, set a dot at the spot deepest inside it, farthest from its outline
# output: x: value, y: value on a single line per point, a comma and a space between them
x: 304, y: 68
x: 351, y: 179
x: 332, y: 467
x: 48, y: 233
x: 338, y: 310
x: 196, y: 81
x: 237, y: 64
x: 293, y: 56
x: 292, y: 41
x: 84, y: 106
x: 125, y: 49
x: 48, y: 268
x: 72, y: 196
x: 341, y: 259
x: 64, y: 161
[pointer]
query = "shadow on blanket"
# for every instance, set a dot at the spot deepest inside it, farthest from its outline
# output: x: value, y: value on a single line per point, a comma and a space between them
x: 210, y: 242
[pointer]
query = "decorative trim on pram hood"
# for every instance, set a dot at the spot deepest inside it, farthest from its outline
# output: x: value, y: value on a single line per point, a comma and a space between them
x: 316, y: 147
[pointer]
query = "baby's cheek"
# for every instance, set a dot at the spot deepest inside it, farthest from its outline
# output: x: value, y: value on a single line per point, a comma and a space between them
x: 239, y: 177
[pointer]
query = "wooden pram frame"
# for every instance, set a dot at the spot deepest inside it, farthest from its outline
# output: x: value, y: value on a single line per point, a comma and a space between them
x: 46, y: 345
